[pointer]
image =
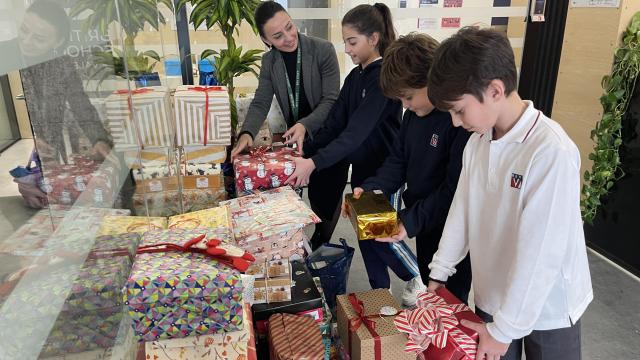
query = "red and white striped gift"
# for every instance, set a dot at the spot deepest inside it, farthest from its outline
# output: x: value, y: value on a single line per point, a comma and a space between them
x: 140, y: 118
x: 435, y: 321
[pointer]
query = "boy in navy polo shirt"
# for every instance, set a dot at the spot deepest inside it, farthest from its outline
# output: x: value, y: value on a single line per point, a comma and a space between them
x: 427, y: 156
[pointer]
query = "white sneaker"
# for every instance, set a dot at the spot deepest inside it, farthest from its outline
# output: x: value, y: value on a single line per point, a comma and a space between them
x: 411, y: 290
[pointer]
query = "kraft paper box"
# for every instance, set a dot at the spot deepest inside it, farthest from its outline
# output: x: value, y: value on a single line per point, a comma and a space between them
x: 175, y: 295
x: 162, y: 197
x: 202, y: 116
x: 140, y: 118
x: 294, y: 337
x: 361, y: 345
x: 263, y: 169
x: 235, y: 345
x: 372, y: 216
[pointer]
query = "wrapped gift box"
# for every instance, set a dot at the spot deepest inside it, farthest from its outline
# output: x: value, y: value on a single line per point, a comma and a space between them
x: 202, y: 116
x: 65, y: 183
x: 235, y: 345
x: 356, y: 313
x: 268, y: 213
x: 114, y: 225
x: 272, y: 281
x: 140, y: 118
x: 289, y: 244
x: 209, y: 218
x: 96, y: 284
x: 33, y: 236
x: 448, y: 340
x: 202, y: 154
x: 84, y: 295
x: 175, y: 295
x: 263, y: 169
x: 294, y: 337
x: 161, y: 196
x: 372, y: 216
x: 121, y: 346
x: 305, y: 299
x: 137, y: 157
x: 264, y: 137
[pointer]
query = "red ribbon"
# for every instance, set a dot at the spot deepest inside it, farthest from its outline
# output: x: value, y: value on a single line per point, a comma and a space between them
x: 361, y: 318
x: 130, y: 104
x: 205, y: 90
x: 188, y: 247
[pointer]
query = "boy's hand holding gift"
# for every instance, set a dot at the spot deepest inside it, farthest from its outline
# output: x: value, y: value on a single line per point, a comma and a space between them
x: 488, y: 348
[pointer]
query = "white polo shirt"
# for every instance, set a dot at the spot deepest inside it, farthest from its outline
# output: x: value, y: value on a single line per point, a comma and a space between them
x: 517, y: 210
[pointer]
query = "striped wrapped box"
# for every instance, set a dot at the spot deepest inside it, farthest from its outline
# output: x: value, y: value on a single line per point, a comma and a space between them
x: 202, y: 116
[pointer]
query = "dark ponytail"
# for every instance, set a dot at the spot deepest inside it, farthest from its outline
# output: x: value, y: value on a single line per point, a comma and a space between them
x: 367, y: 19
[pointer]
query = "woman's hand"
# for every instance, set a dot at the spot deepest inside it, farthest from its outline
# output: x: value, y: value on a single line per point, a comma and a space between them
x: 300, y: 177
x: 244, y: 141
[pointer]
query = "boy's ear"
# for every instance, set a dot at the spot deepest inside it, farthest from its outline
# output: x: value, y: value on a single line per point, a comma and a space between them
x: 496, y: 90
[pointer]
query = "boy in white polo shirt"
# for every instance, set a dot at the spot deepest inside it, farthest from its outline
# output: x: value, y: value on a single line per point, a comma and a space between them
x: 516, y: 209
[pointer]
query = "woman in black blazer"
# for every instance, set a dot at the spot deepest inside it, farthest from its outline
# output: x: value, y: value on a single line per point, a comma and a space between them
x: 304, y: 75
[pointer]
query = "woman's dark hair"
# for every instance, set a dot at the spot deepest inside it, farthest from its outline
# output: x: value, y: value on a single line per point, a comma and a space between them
x: 264, y: 12
x: 54, y: 14
x: 367, y: 19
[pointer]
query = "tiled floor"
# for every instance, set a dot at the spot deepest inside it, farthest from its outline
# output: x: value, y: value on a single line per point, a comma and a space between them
x: 610, y: 327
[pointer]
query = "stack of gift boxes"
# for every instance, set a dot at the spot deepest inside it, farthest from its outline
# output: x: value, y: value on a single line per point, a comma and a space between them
x: 176, y: 143
x: 182, y: 281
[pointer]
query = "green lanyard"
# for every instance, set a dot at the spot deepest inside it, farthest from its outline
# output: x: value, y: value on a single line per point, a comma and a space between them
x: 294, y: 101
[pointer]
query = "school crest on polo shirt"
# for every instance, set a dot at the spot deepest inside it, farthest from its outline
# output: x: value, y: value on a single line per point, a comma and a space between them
x: 516, y: 181
x: 434, y: 140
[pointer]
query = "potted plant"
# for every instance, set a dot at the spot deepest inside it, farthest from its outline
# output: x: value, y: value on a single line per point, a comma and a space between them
x: 131, y: 15
x: 231, y: 62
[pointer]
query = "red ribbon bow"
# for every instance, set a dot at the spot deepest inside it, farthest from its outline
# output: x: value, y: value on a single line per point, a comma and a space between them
x: 130, y: 105
x: 360, y: 319
x: 189, y: 246
x: 433, y: 322
x: 259, y: 152
x: 206, y: 90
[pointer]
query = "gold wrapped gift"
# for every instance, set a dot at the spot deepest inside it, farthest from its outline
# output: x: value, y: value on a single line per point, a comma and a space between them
x: 372, y: 216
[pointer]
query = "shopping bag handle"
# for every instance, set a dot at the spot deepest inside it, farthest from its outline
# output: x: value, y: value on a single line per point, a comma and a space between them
x: 344, y: 246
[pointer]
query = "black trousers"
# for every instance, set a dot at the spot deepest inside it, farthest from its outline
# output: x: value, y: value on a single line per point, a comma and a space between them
x: 460, y: 283
x: 325, y: 195
x: 544, y: 344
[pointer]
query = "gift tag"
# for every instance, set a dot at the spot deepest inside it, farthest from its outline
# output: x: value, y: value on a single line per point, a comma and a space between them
x: 388, y: 311
x: 155, y: 186
x: 202, y: 183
